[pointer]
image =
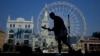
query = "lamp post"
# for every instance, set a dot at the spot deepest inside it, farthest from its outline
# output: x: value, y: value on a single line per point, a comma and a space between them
x: 68, y: 30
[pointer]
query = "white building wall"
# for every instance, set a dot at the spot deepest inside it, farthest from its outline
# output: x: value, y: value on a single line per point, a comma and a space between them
x: 22, y: 22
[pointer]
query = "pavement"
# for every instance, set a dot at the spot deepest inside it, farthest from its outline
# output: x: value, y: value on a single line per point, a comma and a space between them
x: 50, y: 54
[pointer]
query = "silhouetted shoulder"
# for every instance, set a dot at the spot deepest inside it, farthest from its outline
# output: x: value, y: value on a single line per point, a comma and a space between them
x: 57, y: 17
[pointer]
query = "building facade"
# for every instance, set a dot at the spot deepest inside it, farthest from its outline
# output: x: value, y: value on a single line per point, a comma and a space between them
x: 47, y: 38
x: 91, y: 44
x: 19, y: 31
x: 2, y: 38
x: 45, y: 23
x: 44, y: 40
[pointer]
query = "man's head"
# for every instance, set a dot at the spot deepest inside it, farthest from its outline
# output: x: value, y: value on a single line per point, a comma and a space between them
x: 52, y: 15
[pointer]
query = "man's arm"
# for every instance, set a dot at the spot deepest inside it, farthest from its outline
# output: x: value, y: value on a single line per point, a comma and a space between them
x: 48, y: 28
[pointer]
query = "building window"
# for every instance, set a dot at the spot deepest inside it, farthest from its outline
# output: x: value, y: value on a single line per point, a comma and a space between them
x: 11, y: 31
x: 10, y: 25
x: 99, y: 47
x: 13, y: 25
x: 36, y: 44
x: 91, y: 47
x: 20, y: 26
x: 26, y: 41
x: 11, y: 36
x: 25, y: 26
x: 27, y: 31
x: 85, y: 46
x: 28, y: 26
x: 26, y: 36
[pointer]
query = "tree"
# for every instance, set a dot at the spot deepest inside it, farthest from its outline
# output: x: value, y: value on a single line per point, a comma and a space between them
x: 5, y: 47
x: 96, y: 34
x: 18, y: 47
x: 10, y: 44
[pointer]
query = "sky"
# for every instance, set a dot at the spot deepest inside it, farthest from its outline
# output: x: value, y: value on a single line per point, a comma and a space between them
x: 28, y: 8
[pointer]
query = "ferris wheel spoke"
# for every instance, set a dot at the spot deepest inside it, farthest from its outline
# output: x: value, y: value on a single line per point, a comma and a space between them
x: 56, y: 10
x: 59, y: 10
x: 72, y: 17
x: 74, y: 32
x: 69, y: 11
x: 66, y: 11
x: 73, y: 12
x: 62, y: 11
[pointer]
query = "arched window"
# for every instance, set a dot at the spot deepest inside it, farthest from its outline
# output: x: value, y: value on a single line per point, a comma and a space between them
x: 11, y: 31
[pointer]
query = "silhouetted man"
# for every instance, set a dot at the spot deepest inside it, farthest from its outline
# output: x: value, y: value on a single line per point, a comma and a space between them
x: 60, y: 31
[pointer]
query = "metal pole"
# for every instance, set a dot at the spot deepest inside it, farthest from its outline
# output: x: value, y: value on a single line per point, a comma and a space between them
x: 68, y: 30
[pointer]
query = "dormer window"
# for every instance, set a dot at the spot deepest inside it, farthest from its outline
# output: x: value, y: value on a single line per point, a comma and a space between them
x: 28, y: 26
x: 13, y: 25
x: 25, y: 26
x: 10, y: 25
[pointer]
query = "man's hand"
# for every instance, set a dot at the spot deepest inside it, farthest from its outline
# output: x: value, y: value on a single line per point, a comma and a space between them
x: 49, y: 29
x: 44, y: 27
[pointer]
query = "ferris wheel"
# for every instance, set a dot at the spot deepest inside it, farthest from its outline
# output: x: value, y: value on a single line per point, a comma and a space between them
x: 71, y: 15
